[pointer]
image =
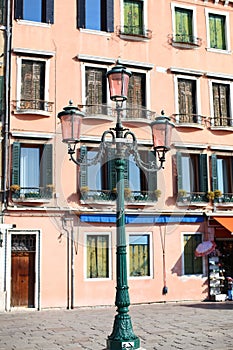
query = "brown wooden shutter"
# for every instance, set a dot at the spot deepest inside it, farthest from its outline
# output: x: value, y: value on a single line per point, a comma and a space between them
x: 186, y: 99
x: 95, y: 87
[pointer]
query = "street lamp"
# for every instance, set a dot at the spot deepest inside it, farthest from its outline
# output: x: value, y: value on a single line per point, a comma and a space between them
x: 125, y: 143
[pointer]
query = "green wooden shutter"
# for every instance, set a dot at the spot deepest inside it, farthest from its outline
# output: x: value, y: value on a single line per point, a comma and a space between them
x: 111, y: 169
x: 126, y: 173
x: 1, y: 92
x: 83, y: 167
x: 151, y: 176
x: 214, y: 172
x: 179, y: 170
x: 203, y: 172
x: 217, y: 31
x: 16, y: 163
x: 46, y: 165
x: 133, y: 17
x: 183, y: 19
x: 2, y: 11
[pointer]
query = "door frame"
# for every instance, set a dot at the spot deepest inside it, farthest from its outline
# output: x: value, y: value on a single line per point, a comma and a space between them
x: 37, y: 233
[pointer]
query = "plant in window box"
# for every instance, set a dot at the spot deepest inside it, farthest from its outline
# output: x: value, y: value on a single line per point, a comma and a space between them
x: 32, y: 195
x: 210, y: 195
x: 15, y: 189
x: 128, y: 193
x: 182, y: 195
x: 217, y: 195
x: 157, y: 194
x: 84, y: 192
x: 49, y: 189
x: 113, y: 193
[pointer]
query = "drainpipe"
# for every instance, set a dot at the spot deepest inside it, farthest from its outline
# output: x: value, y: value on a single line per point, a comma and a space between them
x: 6, y: 117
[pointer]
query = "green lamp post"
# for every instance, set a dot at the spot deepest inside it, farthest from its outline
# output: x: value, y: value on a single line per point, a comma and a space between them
x: 122, y: 336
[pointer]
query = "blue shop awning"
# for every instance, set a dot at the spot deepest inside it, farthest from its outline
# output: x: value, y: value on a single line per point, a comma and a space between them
x: 142, y: 219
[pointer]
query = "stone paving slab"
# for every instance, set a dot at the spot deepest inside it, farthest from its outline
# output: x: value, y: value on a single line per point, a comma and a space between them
x: 160, y: 326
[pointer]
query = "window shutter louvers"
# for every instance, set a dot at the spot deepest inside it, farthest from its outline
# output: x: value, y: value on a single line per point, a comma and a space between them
x: 203, y: 172
x: 81, y: 23
x: 18, y: 9
x: 47, y: 165
x: 214, y: 172
x: 109, y: 16
x: 49, y: 11
x: 16, y: 163
x: 83, y: 167
x: 179, y: 171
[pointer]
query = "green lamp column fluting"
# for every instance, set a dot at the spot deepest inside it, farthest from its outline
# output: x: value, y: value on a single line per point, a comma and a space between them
x: 122, y: 336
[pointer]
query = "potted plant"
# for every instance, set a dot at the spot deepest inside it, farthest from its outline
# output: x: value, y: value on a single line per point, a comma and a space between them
x: 113, y: 193
x: 182, y: 194
x: 128, y: 193
x: 210, y: 195
x: 157, y: 193
x: 84, y: 191
x: 15, y: 188
x: 218, y: 195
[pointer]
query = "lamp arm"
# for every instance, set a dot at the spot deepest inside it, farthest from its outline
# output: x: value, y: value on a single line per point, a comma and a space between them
x: 150, y: 166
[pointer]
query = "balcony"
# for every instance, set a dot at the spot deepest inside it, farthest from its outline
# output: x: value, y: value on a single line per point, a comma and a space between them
x: 31, y: 194
x: 32, y: 106
x: 221, y: 123
x: 184, y: 41
x: 190, y: 120
x: 226, y: 199
x: 192, y: 198
x: 136, y: 33
x: 109, y: 196
x: 129, y: 113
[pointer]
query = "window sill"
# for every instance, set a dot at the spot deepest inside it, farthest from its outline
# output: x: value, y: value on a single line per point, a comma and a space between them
x: 94, y: 32
x: 226, y: 52
x: 222, y: 128
x: 185, y: 45
x: 133, y: 37
x: 192, y: 204
x: 99, y: 117
x: 33, y: 23
x: 193, y: 125
x: 32, y: 112
x: 35, y: 201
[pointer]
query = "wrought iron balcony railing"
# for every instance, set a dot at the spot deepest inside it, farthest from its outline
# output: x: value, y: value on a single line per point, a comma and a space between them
x: 187, y: 118
x: 37, y: 105
x: 225, y: 198
x: 192, y: 198
x: 185, y: 40
x: 135, y: 197
x: 129, y: 112
x: 138, y: 31
x: 32, y: 193
x: 221, y: 121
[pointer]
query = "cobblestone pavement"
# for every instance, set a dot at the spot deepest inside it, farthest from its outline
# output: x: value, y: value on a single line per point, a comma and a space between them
x: 166, y: 326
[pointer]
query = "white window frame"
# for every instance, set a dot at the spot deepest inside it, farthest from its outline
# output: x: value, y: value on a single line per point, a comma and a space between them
x: 144, y: 15
x: 182, y: 256
x: 226, y: 82
x: 18, y: 83
x: 194, y: 17
x: 227, y: 30
x: 198, y: 93
x: 151, y: 272
x: 109, y: 256
x: 37, y: 296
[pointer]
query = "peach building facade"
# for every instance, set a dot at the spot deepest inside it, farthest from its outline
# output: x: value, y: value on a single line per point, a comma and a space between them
x: 59, y: 238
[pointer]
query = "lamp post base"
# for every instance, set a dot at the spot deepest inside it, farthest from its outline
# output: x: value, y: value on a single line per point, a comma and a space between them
x: 119, y: 344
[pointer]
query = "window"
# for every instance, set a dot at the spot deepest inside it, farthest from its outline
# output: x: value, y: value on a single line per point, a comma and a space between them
x: 136, y: 96
x: 32, y: 92
x: 133, y: 17
x: 222, y: 175
x: 192, y: 265
x: 2, y: 12
x: 96, y: 15
x: 97, y: 256
x: 100, y: 179
x: 96, y: 90
x: 32, y: 170
x: 187, y: 105
x: 183, y: 25
x: 221, y: 104
x: 217, y: 31
x: 139, y: 255
x: 192, y: 175
x: 35, y: 10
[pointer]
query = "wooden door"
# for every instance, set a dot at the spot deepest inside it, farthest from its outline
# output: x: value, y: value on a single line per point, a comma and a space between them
x: 23, y: 279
